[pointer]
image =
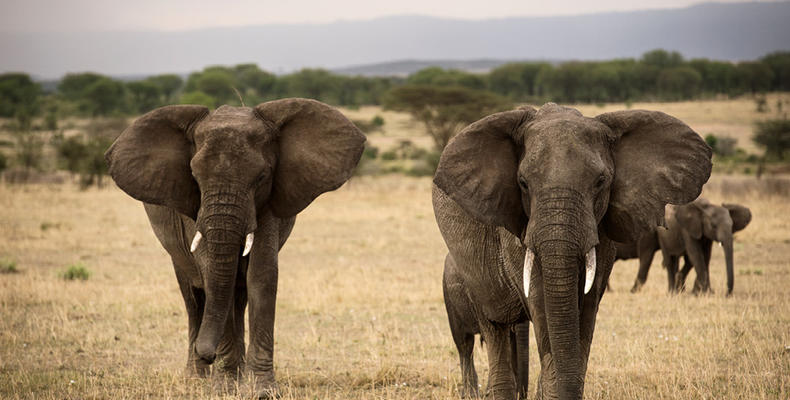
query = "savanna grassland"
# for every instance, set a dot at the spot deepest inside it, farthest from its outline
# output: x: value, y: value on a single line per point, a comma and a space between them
x: 359, y: 310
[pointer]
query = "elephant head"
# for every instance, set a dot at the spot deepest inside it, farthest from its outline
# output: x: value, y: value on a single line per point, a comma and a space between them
x: 701, y: 219
x: 224, y: 169
x: 558, y: 180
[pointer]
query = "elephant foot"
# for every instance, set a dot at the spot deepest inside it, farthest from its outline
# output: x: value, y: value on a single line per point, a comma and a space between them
x: 470, y: 393
x: 225, y: 384
x: 264, y: 387
x: 637, y: 287
x: 197, y: 369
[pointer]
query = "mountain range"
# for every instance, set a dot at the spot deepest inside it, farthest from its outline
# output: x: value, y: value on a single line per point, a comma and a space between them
x: 722, y: 31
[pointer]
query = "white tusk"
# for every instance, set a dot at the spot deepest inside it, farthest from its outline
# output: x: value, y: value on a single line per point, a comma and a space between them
x: 248, y: 244
x: 528, y: 261
x: 590, y: 263
x: 195, y: 241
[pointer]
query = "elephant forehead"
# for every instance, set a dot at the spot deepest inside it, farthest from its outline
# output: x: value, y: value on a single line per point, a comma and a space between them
x: 228, y: 123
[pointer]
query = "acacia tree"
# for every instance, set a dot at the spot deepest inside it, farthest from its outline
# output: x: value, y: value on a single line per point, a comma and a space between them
x: 444, y: 110
x: 774, y: 136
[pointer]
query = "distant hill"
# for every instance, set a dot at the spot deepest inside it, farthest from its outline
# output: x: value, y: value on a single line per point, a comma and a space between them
x: 731, y: 31
x: 406, y: 67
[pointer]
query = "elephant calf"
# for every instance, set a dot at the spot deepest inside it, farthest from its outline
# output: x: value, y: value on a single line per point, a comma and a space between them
x: 222, y: 190
x: 465, y: 323
x: 690, y: 232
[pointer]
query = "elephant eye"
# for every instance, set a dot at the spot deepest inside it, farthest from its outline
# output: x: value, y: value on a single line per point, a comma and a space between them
x: 600, y: 182
x: 522, y: 183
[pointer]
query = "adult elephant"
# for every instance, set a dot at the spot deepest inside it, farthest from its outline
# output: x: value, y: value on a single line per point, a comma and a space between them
x: 528, y: 202
x: 690, y: 232
x: 221, y: 190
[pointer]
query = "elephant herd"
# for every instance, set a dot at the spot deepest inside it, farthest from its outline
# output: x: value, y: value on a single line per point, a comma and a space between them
x: 534, y: 206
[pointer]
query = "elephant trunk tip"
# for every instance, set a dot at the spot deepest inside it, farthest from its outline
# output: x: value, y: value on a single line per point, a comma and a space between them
x: 206, y: 351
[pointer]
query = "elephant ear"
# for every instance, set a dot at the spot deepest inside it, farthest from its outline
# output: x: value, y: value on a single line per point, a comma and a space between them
x: 150, y: 159
x: 658, y: 160
x: 690, y: 218
x: 318, y: 150
x: 741, y: 216
x: 478, y: 170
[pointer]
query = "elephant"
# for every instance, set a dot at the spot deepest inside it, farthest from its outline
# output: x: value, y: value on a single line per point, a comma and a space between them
x: 690, y: 232
x: 221, y: 190
x: 529, y: 203
x: 464, y: 325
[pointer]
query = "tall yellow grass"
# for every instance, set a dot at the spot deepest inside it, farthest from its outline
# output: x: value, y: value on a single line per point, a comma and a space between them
x: 360, y: 312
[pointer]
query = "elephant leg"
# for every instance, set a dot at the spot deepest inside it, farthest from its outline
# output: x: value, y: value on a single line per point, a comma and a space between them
x: 501, y: 382
x: 262, y: 294
x: 465, y: 345
x: 696, y: 254
x: 519, y: 343
x: 671, y: 264
x: 645, y: 260
x: 194, y: 300
x: 464, y: 342
x: 230, y: 350
x: 680, y: 278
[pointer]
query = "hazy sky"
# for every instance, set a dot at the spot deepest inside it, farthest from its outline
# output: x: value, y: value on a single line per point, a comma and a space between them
x: 101, y: 15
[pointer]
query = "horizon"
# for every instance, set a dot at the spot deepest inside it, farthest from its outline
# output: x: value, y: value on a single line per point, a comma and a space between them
x: 96, y: 16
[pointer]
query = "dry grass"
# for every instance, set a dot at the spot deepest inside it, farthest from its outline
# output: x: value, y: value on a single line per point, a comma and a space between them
x: 724, y: 118
x: 360, y: 312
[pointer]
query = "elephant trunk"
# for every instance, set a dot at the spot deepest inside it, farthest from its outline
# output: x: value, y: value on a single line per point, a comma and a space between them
x: 727, y: 245
x: 562, y: 234
x: 224, y: 235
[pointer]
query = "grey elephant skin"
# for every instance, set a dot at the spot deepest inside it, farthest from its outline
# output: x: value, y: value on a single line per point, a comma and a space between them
x: 690, y: 232
x: 221, y: 190
x: 533, y: 199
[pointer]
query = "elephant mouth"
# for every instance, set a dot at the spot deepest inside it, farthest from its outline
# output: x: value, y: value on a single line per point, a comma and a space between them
x: 590, y: 265
x: 247, y: 243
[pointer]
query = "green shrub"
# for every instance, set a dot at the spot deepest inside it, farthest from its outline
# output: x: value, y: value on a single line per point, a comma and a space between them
x: 8, y: 266
x: 76, y: 272
x: 370, y: 152
x: 389, y: 155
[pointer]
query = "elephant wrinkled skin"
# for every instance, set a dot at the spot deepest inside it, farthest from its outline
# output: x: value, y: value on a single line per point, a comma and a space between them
x: 537, y: 197
x: 221, y: 190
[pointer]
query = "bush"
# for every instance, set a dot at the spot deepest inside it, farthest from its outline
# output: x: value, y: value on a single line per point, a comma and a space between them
x: 389, y: 155
x: 8, y: 266
x: 370, y: 152
x: 76, y: 272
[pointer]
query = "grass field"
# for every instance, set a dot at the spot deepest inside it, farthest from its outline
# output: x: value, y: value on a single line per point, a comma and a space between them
x: 724, y: 118
x: 360, y: 312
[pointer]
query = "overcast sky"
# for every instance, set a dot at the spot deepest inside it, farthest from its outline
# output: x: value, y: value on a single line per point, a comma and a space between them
x: 170, y: 15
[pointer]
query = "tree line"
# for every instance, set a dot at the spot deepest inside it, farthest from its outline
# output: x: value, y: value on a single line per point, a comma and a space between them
x: 656, y: 75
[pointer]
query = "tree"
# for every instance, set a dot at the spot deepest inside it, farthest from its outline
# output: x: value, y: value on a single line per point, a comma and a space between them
x: 145, y: 95
x: 72, y: 86
x: 774, y: 136
x: 199, y: 98
x: 19, y: 95
x: 515, y: 80
x: 444, y: 110
x: 450, y: 77
x: 779, y: 63
x: 662, y: 59
x: 168, y: 84
x: 678, y: 83
x: 105, y: 96
x: 754, y: 77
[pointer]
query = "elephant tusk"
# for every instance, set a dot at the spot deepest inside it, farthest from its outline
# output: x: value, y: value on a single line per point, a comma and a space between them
x: 195, y: 241
x: 590, y: 264
x: 528, y: 261
x: 248, y: 244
